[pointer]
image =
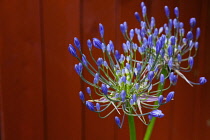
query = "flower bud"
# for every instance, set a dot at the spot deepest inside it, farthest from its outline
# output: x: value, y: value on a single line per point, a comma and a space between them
x: 167, y: 12
x: 170, y: 63
x: 122, y: 28
x: 125, y: 48
x: 189, y: 35
x: 144, y: 11
x: 202, y: 80
x: 151, y: 75
x: 170, y: 96
x: 101, y: 30
x: 137, y: 16
x: 134, y: 98
x: 198, y: 32
x: 96, y: 78
x: 84, y: 60
x: 131, y: 34
x: 104, y: 89
x: 90, y: 106
x: 98, y: 106
x: 160, y: 99
x: 117, y: 120
x: 176, y: 11
x: 81, y: 95
x: 88, y: 90
x: 89, y: 44
x: 99, y: 62
x: 162, y: 78
x: 72, y: 50
x: 192, y: 22
x: 191, y: 62
x: 131, y: 101
x: 170, y: 51
x: 77, y: 43
x: 152, y: 23
x: 156, y: 113
x: 123, y: 95
x: 97, y: 43
x: 179, y: 58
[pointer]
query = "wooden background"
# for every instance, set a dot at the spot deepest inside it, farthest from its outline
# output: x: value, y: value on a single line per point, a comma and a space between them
x: 39, y: 88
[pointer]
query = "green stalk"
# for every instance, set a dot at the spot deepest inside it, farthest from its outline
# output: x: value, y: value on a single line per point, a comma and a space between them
x: 150, y: 127
x: 132, y: 128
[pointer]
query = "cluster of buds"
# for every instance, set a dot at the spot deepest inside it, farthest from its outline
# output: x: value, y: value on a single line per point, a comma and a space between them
x: 128, y: 81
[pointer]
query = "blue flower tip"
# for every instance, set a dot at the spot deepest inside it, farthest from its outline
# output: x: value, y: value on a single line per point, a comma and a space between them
x: 117, y: 120
x: 202, y: 80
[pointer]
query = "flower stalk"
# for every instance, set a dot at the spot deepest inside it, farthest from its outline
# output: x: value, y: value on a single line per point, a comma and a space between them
x: 132, y: 128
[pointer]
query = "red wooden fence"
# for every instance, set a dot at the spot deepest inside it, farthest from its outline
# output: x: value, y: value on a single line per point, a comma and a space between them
x: 39, y: 88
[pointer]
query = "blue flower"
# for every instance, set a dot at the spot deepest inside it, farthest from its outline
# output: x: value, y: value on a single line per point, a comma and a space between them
x: 151, y: 75
x: 89, y: 44
x: 198, y: 32
x: 77, y: 43
x: 176, y: 11
x: 167, y: 12
x: 170, y: 96
x: 84, y: 60
x: 192, y: 22
x: 99, y: 61
x: 90, y: 106
x: 162, y: 78
x: 137, y: 16
x: 117, y: 120
x: 97, y: 43
x: 98, y: 106
x: 81, y: 95
x: 72, y: 50
x: 122, y: 28
x: 88, y: 90
x: 101, y: 30
x: 202, y: 80
x: 78, y: 68
x: 156, y: 113
x: 104, y: 89
x: 191, y: 62
x: 160, y: 99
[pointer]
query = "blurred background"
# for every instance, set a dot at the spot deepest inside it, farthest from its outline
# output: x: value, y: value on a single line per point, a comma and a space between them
x: 39, y: 87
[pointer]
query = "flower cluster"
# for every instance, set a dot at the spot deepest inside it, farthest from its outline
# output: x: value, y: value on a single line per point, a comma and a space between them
x: 128, y: 81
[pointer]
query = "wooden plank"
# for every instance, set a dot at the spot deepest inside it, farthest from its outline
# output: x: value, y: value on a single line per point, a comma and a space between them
x: 21, y: 71
x: 183, y: 113
x: 1, y: 100
x: 93, y: 13
x: 202, y: 119
x: 61, y: 22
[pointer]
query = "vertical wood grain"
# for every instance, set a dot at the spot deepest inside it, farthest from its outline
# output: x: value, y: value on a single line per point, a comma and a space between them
x: 202, y: 117
x: 21, y: 70
x: 61, y: 20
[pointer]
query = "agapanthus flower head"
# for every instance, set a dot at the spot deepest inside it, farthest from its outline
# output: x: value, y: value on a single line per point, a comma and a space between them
x: 126, y: 81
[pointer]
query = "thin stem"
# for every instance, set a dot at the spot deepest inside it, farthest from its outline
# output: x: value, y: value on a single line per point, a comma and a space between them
x: 132, y: 128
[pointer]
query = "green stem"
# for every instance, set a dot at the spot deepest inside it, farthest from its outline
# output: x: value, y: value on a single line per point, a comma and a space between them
x: 132, y: 128
x: 149, y: 129
x: 152, y: 122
